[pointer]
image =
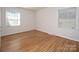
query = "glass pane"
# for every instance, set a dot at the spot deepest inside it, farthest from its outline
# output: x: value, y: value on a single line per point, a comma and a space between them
x: 13, y: 18
x: 67, y: 17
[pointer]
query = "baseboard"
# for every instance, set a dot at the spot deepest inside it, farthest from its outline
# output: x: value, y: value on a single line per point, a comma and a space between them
x: 47, y: 33
x: 16, y: 33
x: 70, y: 38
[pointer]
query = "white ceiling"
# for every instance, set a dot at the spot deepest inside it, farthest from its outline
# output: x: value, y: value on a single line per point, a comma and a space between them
x: 34, y: 8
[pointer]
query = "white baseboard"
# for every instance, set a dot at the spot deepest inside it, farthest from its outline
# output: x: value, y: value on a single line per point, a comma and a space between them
x: 50, y: 34
x: 15, y: 32
x: 70, y: 38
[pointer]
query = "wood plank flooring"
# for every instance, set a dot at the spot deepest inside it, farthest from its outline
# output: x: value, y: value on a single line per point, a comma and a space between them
x: 36, y: 41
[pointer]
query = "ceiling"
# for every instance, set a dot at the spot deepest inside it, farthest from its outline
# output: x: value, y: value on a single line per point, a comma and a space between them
x: 34, y: 8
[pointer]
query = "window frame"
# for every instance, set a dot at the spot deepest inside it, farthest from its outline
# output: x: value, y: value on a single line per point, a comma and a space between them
x: 18, y: 16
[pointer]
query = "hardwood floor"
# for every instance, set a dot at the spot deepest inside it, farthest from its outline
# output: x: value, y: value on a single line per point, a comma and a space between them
x: 36, y: 41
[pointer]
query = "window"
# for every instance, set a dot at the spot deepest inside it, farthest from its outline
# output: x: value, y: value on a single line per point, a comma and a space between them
x: 13, y: 18
x: 67, y: 18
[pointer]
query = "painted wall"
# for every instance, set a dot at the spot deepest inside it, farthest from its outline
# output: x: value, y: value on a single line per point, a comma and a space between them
x: 0, y: 21
x: 47, y: 21
x: 27, y: 21
x: 0, y: 28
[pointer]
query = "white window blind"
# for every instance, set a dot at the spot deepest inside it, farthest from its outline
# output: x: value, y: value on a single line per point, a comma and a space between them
x: 67, y: 18
x: 13, y: 18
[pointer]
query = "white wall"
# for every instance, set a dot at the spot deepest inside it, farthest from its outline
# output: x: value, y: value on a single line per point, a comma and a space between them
x: 47, y: 21
x: 0, y: 28
x: 27, y: 21
x: 0, y: 21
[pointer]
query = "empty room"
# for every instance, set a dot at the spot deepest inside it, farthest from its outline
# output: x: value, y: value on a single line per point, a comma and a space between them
x: 39, y: 29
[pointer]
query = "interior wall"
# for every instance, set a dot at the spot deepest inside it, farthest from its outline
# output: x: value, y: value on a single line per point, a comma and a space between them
x: 0, y: 28
x: 47, y: 21
x: 27, y: 21
x: 0, y: 21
